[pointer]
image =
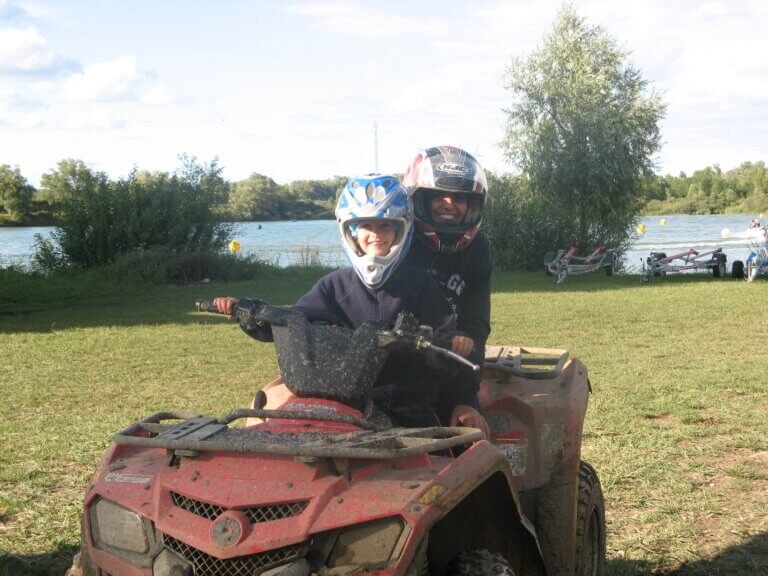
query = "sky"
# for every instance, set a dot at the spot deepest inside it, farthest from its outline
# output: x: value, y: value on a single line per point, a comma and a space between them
x: 312, y: 89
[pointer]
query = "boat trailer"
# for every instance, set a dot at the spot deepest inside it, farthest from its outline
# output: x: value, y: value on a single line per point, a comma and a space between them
x: 565, y: 263
x: 659, y: 264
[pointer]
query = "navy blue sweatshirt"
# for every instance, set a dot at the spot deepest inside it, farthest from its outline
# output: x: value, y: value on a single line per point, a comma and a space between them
x: 465, y: 280
x: 408, y: 378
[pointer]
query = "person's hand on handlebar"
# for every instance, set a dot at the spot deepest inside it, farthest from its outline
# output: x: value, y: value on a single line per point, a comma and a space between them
x: 226, y: 305
x: 463, y: 415
x: 462, y: 345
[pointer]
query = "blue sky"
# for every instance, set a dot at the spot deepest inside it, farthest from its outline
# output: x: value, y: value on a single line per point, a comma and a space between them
x: 292, y: 89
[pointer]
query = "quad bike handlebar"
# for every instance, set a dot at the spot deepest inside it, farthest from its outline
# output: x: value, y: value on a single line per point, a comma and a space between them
x: 407, y: 332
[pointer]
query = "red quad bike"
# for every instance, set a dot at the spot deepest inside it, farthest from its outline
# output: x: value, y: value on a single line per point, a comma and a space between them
x: 323, y: 486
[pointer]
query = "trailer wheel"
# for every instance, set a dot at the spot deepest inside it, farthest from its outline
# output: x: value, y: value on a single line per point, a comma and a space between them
x: 718, y: 270
x: 479, y: 562
x: 654, y: 257
x: 548, y: 257
x: 590, y: 525
x: 737, y: 269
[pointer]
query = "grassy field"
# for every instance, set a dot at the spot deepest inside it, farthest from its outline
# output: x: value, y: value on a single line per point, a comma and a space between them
x: 677, y: 425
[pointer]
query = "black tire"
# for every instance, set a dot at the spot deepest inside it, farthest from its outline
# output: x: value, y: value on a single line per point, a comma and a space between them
x: 479, y: 562
x: 590, y: 525
x: 658, y: 256
x: 610, y: 260
x: 548, y: 257
x: 737, y: 269
x: 719, y: 269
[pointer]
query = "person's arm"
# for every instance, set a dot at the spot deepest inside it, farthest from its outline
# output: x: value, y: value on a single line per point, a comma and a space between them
x: 475, y: 310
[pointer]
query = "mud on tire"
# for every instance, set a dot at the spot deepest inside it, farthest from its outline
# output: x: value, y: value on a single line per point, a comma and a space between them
x: 479, y: 562
x: 590, y: 525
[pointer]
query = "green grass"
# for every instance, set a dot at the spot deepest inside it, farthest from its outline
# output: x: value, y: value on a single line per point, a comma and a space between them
x: 677, y: 425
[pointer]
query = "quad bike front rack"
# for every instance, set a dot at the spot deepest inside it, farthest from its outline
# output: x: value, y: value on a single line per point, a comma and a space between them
x: 190, y: 434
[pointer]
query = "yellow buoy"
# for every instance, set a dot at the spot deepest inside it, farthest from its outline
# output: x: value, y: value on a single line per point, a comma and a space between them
x: 234, y: 246
x: 640, y: 229
x: 663, y: 222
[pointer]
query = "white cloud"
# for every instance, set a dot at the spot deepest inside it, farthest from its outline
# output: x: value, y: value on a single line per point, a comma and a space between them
x: 93, y: 118
x: 114, y: 80
x: 158, y: 95
x: 24, y: 50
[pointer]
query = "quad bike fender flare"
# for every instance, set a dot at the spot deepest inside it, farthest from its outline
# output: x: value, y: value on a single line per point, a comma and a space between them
x: 472, y: 504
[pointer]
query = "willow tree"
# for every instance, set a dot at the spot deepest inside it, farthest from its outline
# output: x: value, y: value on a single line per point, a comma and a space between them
x: 583, y: 128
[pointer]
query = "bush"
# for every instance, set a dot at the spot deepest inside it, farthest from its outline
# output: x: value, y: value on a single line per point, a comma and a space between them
x: 101, y: 220
x: 162, y: 266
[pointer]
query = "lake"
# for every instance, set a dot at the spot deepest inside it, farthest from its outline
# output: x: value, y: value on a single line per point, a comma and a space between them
x: 287, y: 243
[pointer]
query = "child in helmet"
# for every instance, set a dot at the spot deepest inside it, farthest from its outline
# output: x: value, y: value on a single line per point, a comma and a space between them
x: 375, y: 216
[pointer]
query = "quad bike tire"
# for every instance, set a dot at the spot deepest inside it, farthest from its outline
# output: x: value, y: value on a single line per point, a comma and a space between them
x: 590, y: 525
x: 737, y: 269
x: 479, y: 562
x: 718, y: 270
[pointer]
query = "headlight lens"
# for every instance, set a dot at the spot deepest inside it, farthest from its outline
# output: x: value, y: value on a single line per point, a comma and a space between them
x: 369, y: 543
x: 117, y: 527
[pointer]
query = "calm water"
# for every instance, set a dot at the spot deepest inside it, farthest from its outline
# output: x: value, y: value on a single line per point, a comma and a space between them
x: 289, y: 243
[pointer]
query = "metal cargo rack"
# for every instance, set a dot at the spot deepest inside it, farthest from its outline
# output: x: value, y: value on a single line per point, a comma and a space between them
x: 190, y: 434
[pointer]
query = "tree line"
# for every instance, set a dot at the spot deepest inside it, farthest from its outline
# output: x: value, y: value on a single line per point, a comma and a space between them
x: 258, y: 197
x: 709, y: 191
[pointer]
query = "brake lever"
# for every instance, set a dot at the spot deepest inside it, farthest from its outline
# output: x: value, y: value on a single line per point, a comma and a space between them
x: 424, y: 344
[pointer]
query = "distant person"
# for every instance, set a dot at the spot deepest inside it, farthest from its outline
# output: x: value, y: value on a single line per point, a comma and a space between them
x: 755, y: 223
x: 375, y: 215
x: 449, y: 188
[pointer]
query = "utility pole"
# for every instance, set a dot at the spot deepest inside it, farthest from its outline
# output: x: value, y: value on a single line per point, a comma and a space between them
x: 376, y: 146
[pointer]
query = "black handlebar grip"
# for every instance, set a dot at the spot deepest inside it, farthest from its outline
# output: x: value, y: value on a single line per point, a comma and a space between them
x: 205, y: 305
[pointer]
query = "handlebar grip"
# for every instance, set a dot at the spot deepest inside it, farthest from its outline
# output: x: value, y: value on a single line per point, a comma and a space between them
x: 205, y: 305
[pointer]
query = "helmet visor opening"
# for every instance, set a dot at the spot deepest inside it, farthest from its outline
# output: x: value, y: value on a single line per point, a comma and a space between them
x: 429, y: 209
x: 380, y: 226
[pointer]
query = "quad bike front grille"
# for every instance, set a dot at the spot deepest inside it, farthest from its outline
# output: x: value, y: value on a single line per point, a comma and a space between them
x: 255, y: 514
x: 206, y: 565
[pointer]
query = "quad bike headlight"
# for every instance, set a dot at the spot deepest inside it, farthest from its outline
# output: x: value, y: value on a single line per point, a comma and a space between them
x: 374, y: 542
x: 113, y: 526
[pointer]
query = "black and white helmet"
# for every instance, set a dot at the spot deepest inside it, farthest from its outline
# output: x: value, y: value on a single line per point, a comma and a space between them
x: 446, y: 170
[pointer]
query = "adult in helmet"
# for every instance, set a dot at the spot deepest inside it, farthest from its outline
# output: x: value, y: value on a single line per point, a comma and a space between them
x: 449, y: 188
x: 375, y: 216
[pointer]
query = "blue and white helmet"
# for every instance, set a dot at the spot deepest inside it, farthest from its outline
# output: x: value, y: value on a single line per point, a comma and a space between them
x: 375, y: 197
